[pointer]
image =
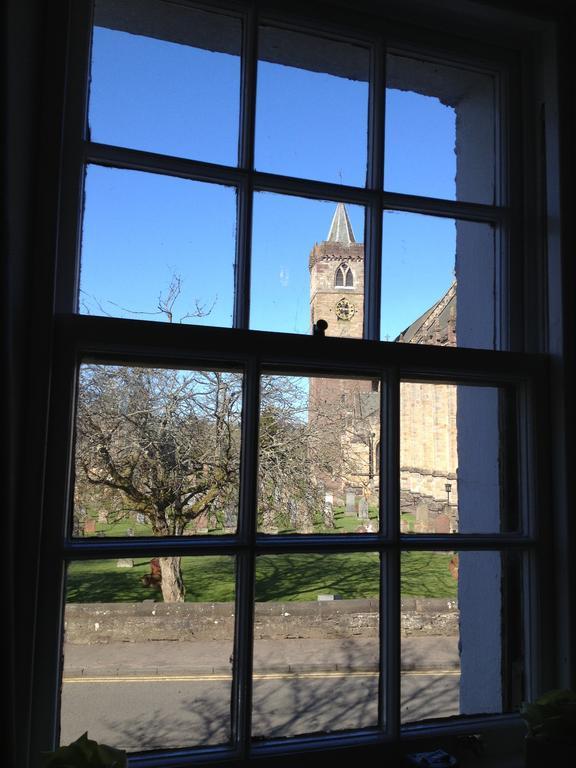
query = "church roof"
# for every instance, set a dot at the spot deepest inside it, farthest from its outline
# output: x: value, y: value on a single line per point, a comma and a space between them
x: 341, y: 229
x: 433, y: 327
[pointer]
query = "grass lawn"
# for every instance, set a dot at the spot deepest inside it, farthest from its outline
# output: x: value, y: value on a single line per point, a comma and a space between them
x: 278, y: 578
x: 348, y: 524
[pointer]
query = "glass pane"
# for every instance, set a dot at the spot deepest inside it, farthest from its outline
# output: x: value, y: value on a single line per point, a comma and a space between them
x: 316, y: 647
x: 440, y: 131
x: 457, y: 612
x: 312, y: 107
x: 438, y: 282
x: 165, y: 78
x: 157, y: 248
x: 453, y: 459
x: 140, y: 673
x: 157, y: 451
x: 307, y: 265
x: 319, y: 447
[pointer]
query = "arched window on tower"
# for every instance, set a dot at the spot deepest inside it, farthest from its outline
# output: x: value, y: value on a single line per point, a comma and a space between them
x: 344, y: 277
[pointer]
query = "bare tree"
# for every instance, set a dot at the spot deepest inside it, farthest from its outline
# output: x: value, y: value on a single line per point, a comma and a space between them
x: 160, y: 442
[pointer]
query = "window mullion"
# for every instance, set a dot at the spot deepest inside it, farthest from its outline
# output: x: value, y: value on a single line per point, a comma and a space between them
x: 73, y: 170
x: 375, y: 178
x: 248, y: 90
x: 243, y: 248
x: 245, y: 578
x: 128, y: 158
x: 451, y: 209
x: 390, y: 564
x: 372, y: 272
x: 246, y: 161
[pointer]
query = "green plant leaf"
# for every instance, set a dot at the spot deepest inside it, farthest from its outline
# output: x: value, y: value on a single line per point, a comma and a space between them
x: 552, y: 717
x: 85, y: 753
x: 556, y: 696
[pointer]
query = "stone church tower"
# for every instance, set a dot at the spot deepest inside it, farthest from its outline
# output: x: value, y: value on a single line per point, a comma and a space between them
x: 428, y: 455
x: 337, y: 279
x: 346, y: 410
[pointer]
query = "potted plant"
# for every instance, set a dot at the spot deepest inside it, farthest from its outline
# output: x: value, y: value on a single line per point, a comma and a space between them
x: 85, y: 753
x: 551, y: 737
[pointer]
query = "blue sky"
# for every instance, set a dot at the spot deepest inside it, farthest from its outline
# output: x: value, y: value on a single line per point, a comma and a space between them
x: 140, y: 229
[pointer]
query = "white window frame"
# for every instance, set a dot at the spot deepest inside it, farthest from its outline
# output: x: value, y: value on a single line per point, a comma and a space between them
x: 78, y: 338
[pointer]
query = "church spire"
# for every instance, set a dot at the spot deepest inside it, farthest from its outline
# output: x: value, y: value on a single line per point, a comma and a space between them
x: 341, y: 229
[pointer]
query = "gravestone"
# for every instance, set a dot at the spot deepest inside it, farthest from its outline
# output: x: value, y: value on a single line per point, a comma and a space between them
x: 350, y: 503
x: 404, y: 526
x: 230, y: 518
x: 140, y: 518
x: 90, y: 526
x: 451, y: 511
x: 306, y: 525
x: 442, y: 524
x: 421, y: 518
x: 124, y: 562
x: 363, y: 513
x: 201, y: 522
x: 129, y: 531
x: 329, y: 510
x: 102, y: 517
x: 293, y: 513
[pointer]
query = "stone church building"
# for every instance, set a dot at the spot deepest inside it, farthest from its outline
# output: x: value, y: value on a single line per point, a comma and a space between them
x: 428, y: 435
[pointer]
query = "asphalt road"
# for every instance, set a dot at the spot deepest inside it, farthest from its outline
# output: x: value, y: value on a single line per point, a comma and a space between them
x: 179, y: 710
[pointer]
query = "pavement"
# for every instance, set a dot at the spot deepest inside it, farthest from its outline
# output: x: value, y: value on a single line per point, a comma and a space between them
x: 150, y: 658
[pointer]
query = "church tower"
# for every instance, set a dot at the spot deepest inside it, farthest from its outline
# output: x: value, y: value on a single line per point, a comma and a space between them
x: 337, y: 296
x: 337, y: 279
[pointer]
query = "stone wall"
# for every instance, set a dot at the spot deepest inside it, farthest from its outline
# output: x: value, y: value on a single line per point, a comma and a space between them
x: 87, y: 623
x: 428, y: 439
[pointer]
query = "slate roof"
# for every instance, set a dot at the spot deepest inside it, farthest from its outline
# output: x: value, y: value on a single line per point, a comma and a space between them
x: 340, y: 229
x: 434, y: 322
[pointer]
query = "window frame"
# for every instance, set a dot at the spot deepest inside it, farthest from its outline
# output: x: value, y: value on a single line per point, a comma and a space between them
x: 77, y: 337
x: 90, y: 339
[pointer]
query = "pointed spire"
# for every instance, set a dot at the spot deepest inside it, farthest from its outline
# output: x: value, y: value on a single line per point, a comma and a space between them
x: 341, y: 229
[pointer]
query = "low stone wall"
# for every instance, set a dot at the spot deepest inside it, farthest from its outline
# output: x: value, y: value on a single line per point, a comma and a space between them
x: 138, y: 622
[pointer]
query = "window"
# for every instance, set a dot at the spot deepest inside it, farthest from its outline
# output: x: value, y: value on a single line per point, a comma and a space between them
x: 287, y: 523
x: 344, y: 277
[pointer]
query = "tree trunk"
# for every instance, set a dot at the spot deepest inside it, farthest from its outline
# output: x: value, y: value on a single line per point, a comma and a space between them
x: 173, y: 590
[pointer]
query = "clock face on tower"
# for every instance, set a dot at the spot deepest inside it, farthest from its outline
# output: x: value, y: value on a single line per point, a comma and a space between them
x: 345, y: 309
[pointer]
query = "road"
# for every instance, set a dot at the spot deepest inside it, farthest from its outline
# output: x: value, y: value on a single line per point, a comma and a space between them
x: 151, y: 711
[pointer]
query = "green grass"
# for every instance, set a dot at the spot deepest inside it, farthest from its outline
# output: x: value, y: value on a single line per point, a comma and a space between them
x: 278, y: 578
x: 348, y: 524
x: 410, y: 518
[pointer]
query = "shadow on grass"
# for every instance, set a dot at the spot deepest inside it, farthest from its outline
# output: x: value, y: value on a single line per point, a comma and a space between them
x: 427, y: 574
x: 304, y: 577
x: 278, y: 578
x: 207, y: 579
